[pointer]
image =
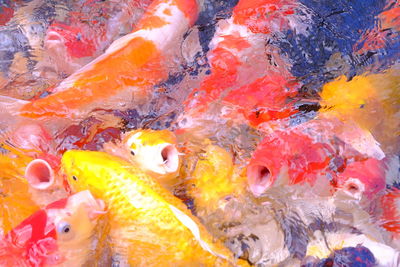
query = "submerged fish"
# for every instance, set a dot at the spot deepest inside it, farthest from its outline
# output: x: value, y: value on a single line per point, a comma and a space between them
x: 242, y: 62
x: 125, y: 74
x: 365, y: 98
x: 363, y: 178
x: 154, y: 151
x: 145, y: 218
x: 60, y: 234
x: 214, y: 181
x: 390, y: 219
x: 320, y: 148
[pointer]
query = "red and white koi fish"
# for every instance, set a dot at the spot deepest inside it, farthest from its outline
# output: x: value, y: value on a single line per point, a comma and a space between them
x: 60, y: 234
x: 308, y: 151
x: 240, y: 64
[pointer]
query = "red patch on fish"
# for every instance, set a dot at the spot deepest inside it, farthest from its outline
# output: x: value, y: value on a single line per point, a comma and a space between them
x: 6, y: 15
x: 259, y: 15
x: 77, y: 43
x: 265, y: 99
x: 391, y: 211
x: 33, y: 239
x: 59, y: 204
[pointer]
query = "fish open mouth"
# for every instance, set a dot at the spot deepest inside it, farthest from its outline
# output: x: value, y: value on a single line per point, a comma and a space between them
x: 259, y: 179
x: 39, y: 174
x: 170, y: 158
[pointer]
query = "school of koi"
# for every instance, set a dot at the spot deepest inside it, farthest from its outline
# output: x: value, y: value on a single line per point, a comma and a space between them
x: 200, y: 133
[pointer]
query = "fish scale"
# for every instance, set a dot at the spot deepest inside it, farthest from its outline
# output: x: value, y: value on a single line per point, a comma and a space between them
x: 147, y: 222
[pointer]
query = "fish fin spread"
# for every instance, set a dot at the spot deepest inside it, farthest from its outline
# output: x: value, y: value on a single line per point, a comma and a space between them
x: 192, y: 226
x: 393, y: 170
x: 9, y: 108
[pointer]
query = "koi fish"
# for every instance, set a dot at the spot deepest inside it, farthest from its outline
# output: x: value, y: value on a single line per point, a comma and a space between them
x: 214, y: 181
x: 362, y: 100
x: 33, y: 143
x: 238, y: 57
x: 60, y: 234
x: 127, y: 71
x: 154, y: 151
x: 378, y: 254
x: 363, y: 178
x: 295, y: 156
x: 144, y: 217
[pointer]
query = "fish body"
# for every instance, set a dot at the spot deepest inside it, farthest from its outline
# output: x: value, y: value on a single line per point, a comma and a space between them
x: 60, y: 234
x: 87, y: 30
x: 390, y: 219
x: 149, y: 225
x: 154, y: 151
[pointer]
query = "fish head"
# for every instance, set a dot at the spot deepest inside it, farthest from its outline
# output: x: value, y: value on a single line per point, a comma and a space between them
x: 82, y: 171
x: 287, y: 157
x: 74, y: 218
x: 362, y: 178
x: 33, y: 138
x: 154, y: 151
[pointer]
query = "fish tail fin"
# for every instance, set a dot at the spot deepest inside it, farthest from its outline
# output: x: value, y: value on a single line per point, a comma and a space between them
x: 9, y: 112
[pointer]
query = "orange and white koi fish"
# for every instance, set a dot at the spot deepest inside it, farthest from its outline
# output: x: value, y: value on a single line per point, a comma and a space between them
x: 127, y: 71
x: 61, y: 234
x: 154, y: 151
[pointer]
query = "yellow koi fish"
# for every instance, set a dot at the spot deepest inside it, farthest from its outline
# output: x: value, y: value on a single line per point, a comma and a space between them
x: 149, y: 226
x: 372, y: 101
x: 153, y: 151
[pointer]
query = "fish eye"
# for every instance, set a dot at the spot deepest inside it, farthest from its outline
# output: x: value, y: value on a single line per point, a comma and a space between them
x: 74, y: 178
x: 132, y: 153
x: 64, y: 228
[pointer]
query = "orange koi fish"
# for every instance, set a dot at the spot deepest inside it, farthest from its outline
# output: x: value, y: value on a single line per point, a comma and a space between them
x: 127, y: 71
x: 60, y: 234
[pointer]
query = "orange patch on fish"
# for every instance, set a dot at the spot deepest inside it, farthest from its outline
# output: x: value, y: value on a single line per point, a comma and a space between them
x: 152, y: 22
